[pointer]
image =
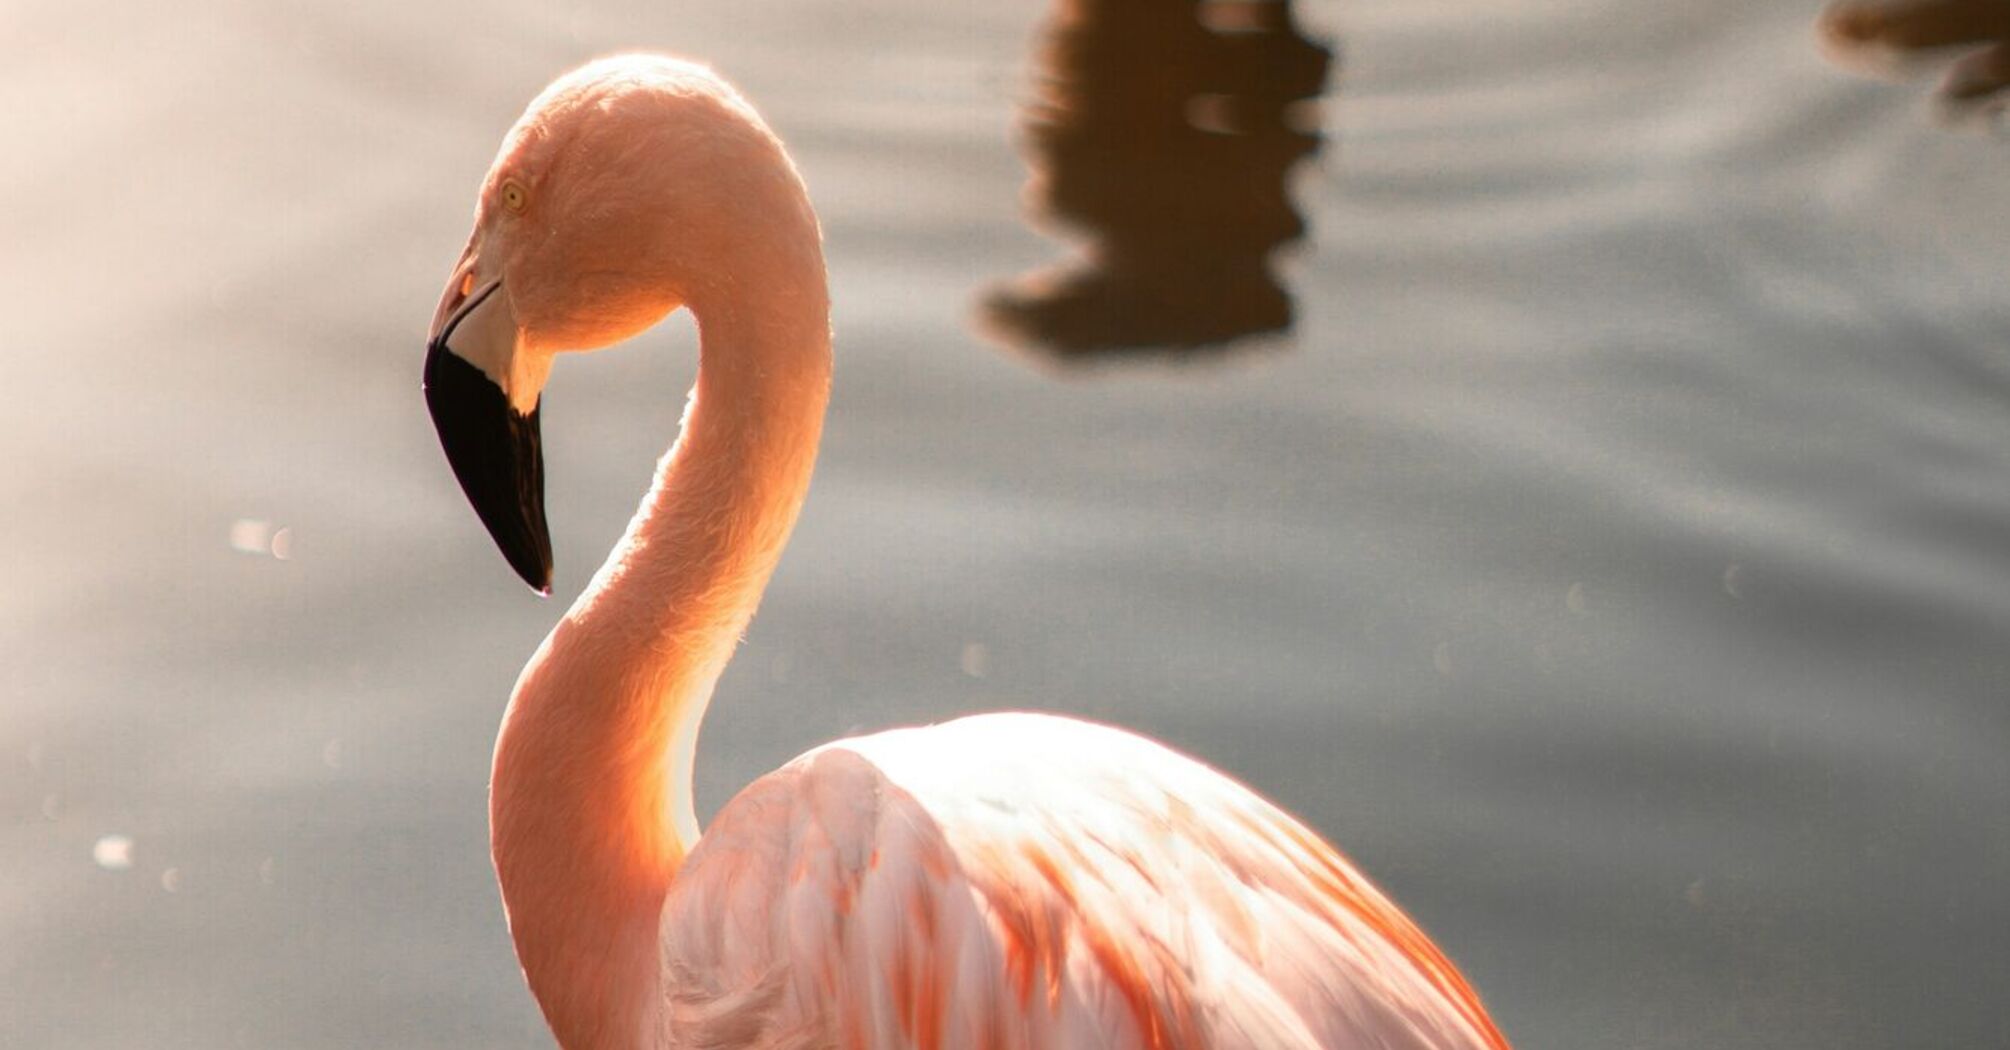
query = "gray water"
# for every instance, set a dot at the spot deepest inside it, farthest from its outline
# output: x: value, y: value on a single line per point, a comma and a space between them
x: 1615, y: 560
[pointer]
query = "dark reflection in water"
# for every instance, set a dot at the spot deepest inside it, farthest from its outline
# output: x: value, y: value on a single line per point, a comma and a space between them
x: 1163, y: 129
x: 1895, y: 36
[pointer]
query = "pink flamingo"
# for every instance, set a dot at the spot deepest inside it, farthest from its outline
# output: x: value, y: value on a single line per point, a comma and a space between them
x: 1001, y: 881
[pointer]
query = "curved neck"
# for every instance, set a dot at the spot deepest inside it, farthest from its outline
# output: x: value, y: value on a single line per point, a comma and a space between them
x: 591, y: 798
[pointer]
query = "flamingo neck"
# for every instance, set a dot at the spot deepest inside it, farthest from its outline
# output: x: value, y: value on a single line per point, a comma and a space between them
x: 591, y: 807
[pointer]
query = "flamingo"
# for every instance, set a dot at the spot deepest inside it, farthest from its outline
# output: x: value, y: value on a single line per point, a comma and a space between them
x: 1002, y: 881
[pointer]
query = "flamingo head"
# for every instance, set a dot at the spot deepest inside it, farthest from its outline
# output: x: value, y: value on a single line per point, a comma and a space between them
x: 615, y: 198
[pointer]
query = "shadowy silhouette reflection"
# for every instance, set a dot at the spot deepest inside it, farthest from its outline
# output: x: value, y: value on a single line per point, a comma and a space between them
x: 1894, y: 37
x: 1164, y: 129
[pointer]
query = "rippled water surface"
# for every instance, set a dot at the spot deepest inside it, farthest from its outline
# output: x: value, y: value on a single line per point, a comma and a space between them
x: 1615, y: 559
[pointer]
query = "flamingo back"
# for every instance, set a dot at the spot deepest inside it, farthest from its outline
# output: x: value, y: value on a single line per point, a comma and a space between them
x: 1022, y: 881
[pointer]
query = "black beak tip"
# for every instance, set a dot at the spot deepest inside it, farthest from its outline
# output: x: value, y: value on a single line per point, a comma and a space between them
x: 534, y: 572
x: 497, y: 456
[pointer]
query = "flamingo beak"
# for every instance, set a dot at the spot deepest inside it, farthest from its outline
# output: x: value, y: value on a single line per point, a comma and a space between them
x: 482, y: 391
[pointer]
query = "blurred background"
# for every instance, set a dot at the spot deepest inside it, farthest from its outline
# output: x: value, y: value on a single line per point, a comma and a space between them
x: 1608, y: 545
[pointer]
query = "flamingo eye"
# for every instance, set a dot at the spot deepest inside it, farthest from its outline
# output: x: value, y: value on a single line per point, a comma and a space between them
x: 514, y: 196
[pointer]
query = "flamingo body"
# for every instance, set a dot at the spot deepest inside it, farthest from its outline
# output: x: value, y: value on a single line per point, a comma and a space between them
x: 1022, y: 880
x: 1003, y: 882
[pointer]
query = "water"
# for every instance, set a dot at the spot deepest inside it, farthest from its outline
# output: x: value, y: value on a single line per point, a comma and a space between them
x: 1612, y: 560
